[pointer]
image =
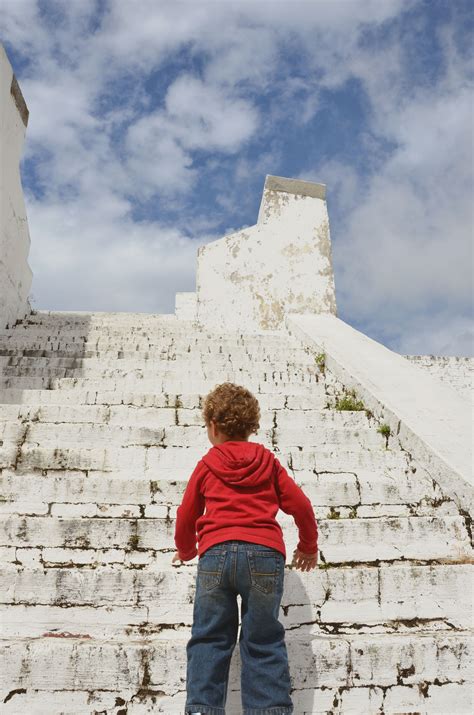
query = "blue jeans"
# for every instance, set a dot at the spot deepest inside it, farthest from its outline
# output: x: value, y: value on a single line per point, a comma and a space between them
x: 256, y: 572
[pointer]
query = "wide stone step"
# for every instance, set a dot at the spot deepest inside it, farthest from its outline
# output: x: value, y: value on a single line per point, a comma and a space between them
x: 56, y: 317
x: 167, y: 383
x: 128, y: 415
x: 107, y: 509
x: 153, y: 669
x: 312, y: 400
x: 333, y: 495
x: 114, y: 602
x: 177, y: 332
x: 157, y: 321
x: 436, y: 699
x: 143, y: 343
x: 347, y: 540
x: 163, y: 372
x: 155, y: 461
x: 126, y: 346
x: 103, y: 364
x: 164, y: 323
x: 339, y: 497
x: 65, y: 434
x: 14, y: 350
x: 146, y: 350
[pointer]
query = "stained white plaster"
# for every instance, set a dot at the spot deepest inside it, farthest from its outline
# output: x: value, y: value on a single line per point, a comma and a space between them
x: 246, y: 281
x: 15, y: 273
x: 185, y: 306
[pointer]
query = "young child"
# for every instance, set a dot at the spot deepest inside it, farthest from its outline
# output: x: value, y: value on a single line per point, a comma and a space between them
x: 241, y: 485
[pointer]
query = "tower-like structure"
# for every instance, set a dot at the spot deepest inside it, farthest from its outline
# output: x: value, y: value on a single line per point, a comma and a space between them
x: 248, y: 280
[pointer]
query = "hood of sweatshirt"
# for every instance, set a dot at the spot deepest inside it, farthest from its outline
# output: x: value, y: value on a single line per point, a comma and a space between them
x: 240, y: 463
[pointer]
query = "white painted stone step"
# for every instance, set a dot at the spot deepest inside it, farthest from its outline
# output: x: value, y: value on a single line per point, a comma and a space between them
x: 57, y: 316
x: 166, y: 336
x: 176, y: 332
x: 330, y: 661
x: 146, y: 344
x: 338, y: 508
x: 167, y: 383
x: 96, y: 435
x: 129, y: 415
x: 314, y: 400
x: 324, y: 489
x: 347, y: 540
x: 16, y: 352
x: 94, y: 362
x: 436, y: 596
x: 427, y: 698
x: 103, y: 362
x: 125, y: 318
x: 333, y: 499
x: 157, y: 322
x: 155, y: 462
x: 102, y: 366
x: 115, y: 624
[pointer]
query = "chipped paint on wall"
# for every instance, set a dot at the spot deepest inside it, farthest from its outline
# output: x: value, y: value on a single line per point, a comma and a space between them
x: 247, y: 280
x: 15, y: 273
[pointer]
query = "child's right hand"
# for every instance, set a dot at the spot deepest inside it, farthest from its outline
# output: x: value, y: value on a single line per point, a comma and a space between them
x: 304, y: 562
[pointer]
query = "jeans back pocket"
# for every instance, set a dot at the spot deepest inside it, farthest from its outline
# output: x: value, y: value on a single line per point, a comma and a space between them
x: 210, y: 568
x: 264, y: 568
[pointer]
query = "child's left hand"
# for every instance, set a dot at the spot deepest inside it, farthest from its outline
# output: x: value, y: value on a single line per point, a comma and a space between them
x: 176, y: 557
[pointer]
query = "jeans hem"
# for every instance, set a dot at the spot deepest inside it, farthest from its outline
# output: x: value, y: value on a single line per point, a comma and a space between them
x: 204, y: 709
x: 283, y: 710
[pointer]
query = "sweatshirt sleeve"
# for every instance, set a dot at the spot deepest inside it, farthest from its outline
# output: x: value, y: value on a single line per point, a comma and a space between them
x: 191, y: 507
x: 294, y: 501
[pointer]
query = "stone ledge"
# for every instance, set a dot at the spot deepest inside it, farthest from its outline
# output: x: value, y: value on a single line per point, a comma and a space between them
x: 295, y: 186
x: 19, y: 100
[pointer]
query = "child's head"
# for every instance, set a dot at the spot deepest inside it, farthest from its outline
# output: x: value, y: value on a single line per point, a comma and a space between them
x: 230, y: 412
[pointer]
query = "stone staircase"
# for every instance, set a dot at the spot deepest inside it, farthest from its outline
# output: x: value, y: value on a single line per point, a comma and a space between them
x: 100, y: 427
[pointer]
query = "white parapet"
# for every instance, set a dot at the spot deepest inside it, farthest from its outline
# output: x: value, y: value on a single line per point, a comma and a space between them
x: 427, y: 416
x: 247, y: 281
x: 15, y: 273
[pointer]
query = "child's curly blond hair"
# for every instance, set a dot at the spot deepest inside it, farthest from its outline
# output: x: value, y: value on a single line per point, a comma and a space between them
x: 234, y: 409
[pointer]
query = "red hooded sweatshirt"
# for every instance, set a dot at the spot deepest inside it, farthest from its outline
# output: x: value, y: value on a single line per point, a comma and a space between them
x: 241, y: 485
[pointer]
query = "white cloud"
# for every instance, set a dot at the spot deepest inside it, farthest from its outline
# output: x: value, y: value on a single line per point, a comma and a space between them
x: 93, y: 255
x: 201, y: 116
x: 404, y: 245
x: 195, y: 116
x: 404, y: 255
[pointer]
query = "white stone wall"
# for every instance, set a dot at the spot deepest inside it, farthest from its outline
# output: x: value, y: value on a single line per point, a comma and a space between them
x: 455, y: 371
x: 185, y: 306
x: 248, y: 280
x: 15, y: 273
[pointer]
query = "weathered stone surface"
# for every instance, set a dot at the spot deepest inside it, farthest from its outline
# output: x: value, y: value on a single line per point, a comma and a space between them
x: 91, y: 480
x: 239, y: 280
x: 15, y: 272
x: 458, y: 372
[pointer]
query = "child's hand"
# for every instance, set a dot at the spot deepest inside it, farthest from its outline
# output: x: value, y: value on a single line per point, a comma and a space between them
x: 176, y: 557
x: 304, y: 562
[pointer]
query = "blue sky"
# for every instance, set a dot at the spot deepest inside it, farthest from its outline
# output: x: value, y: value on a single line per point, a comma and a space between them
x: 153, y: 124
